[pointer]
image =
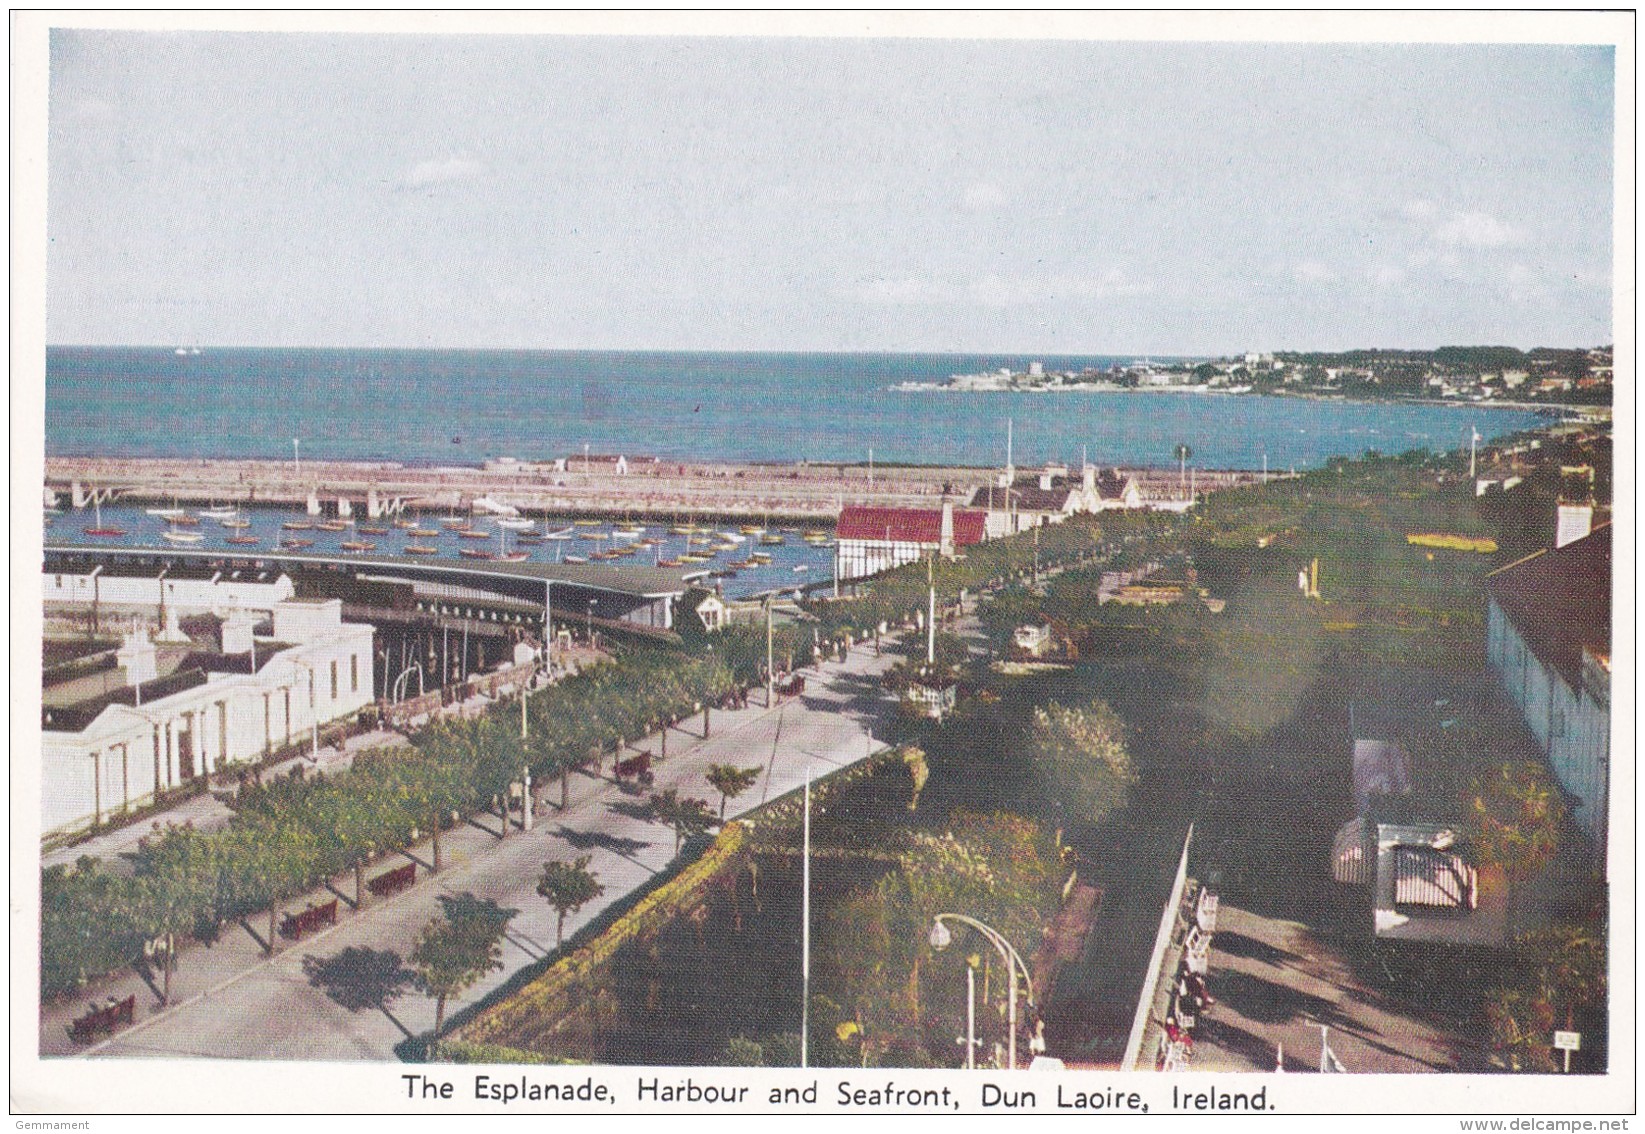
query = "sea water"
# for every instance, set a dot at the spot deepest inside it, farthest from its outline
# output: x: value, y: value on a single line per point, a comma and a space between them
x: 462, y: 407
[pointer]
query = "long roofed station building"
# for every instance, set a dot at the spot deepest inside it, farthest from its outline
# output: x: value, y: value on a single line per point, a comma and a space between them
x: 872, y: 540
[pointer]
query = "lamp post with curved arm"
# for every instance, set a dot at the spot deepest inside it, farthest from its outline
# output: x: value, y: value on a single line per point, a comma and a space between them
x: 941, y: 937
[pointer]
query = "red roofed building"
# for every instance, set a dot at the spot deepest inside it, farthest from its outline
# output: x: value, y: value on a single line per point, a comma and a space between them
x: 871, y: 540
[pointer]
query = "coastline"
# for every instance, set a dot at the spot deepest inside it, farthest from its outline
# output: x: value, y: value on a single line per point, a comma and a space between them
x: 1556, y: 411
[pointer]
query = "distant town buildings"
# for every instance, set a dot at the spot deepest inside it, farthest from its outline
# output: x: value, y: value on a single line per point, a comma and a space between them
x: 1477, y: 374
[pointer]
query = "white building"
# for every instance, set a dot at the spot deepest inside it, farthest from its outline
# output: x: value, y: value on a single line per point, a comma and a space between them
x: 1548, y: 638
x: 871, y: 540
x: 156, y: 716
x: 1032, y: 641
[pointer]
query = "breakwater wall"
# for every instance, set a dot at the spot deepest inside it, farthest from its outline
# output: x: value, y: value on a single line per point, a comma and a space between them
x: 595, y: 487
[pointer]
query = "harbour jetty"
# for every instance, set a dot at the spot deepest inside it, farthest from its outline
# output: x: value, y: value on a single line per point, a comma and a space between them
x: 591, y: 486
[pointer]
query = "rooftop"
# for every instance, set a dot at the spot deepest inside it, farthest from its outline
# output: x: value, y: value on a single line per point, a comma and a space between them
x: 1560, y: 601
x: 637, y: 580
x: 910, y: 525
x: 1024, y: 497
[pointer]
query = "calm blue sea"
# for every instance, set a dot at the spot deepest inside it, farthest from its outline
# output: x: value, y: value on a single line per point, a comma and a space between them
x: 461, y: 407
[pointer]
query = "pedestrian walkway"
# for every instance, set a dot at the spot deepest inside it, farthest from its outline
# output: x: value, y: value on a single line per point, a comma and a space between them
x: 343, y: 993
x: 1277, y: 986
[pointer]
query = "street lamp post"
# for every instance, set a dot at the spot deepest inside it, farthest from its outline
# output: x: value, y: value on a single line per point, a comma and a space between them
x: 548, y: 626
x: 296, y: 460
x: 588, y: 626
x: 941, y: 938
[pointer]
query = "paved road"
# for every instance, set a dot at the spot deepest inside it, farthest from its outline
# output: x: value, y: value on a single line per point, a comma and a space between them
x: 1275, y: 984
x: 230, y: 1001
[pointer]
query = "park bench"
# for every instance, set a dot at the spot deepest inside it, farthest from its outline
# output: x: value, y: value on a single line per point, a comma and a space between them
x: 393, y: 881
x: 111, y: 1015
x: 636, y: 767
x: 314, y: 916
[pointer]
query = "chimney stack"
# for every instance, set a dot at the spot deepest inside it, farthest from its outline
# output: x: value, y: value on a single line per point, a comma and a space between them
x: 136, y: 657
x: 237, y: 631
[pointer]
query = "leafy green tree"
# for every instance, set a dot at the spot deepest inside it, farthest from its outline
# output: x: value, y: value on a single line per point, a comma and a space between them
x: 1515, y: 818
x: 568, y: 886
x: 175, y: 874
x: 686, y: 816
x: 1080, y: 755
x: 87, y: 924
x: 454, y: 951
x: 168, y: 906
x: 731, y: 781
x: 1556, y: 978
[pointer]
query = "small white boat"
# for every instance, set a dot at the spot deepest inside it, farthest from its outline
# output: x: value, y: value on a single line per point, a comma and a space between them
x: 626, y: 533
x: 733, y: 537
x: 219, y: 511
x: 575, y: 559
x: 182, y: 537
x: 801, y: 567
x: 516, y: 523
x: 563, y: 533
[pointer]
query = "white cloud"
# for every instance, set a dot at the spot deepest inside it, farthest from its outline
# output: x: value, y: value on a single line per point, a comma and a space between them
x: 1420, y: 209
x: 1478, y: 230
x: 443, y: 171
x: 983, y: 195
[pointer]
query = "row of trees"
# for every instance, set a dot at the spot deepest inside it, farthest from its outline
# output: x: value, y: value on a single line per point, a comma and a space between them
x: 900, y: 594
x: 290, y: 835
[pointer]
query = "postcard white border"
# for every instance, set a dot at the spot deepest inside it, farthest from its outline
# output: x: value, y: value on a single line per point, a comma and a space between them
x: 70, y: 1087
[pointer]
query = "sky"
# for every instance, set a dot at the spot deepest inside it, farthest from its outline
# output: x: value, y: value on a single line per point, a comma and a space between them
x: 554, y: 192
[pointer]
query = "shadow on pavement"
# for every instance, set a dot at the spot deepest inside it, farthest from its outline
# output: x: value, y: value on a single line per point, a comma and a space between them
x: 360, y: 978
x: 640, y: 811
x: 1237, y: 1041
x: 585, y: 840
x: 1239, y: 945
x: 1267, y: 1002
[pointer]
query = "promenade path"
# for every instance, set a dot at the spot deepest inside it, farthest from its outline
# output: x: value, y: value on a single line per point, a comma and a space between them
x: 321, y: 998
x: 1276, y: 985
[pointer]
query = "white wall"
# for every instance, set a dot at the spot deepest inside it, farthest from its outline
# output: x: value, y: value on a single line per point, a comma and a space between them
x: 187, y: 595
x: 224, y: 720
x: 1571, y: 727
x: 859, y: 558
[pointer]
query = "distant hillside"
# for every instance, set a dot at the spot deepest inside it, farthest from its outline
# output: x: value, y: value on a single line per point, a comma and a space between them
x: 1456, y: 359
